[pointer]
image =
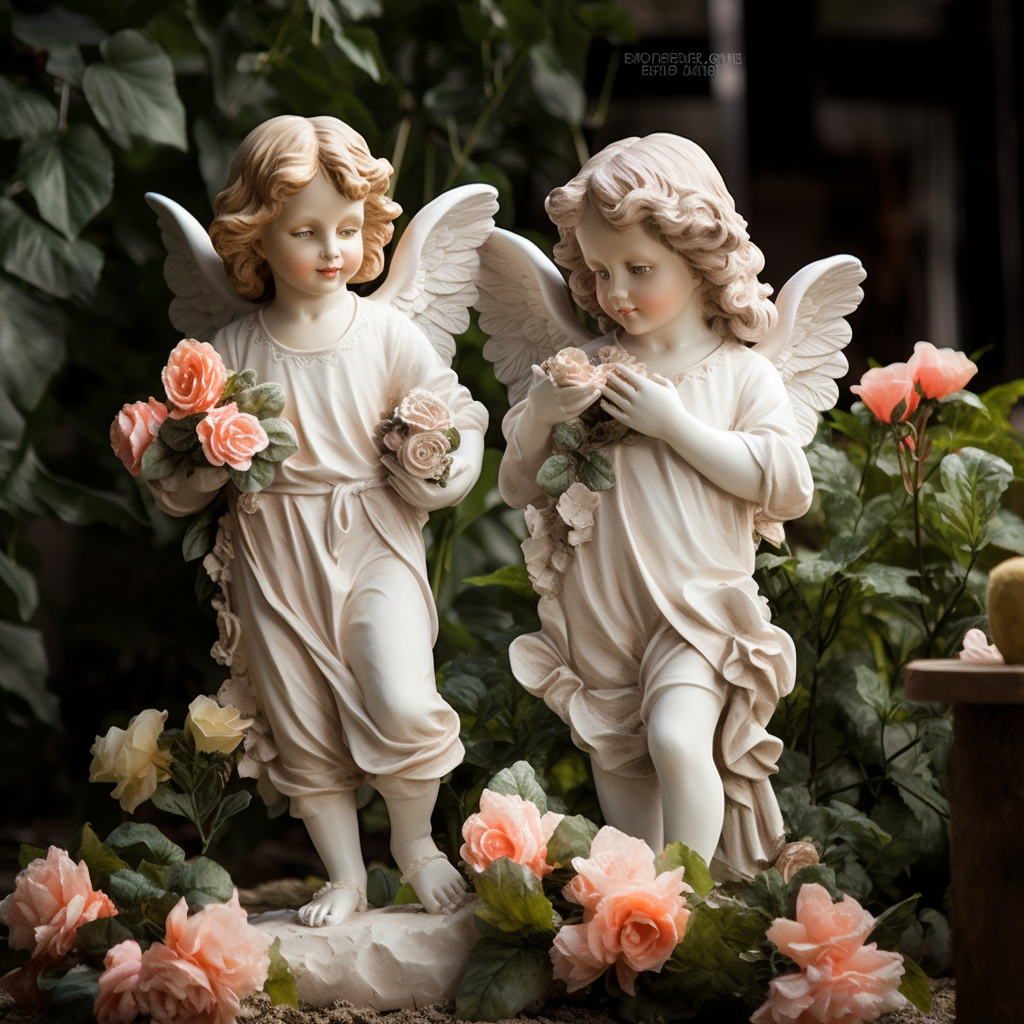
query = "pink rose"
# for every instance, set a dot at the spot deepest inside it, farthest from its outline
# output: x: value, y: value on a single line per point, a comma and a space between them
x: 795, y: 856
x: 616, y: 355
x: 939, y: 371
x: 508, y: 826
x: 977, y: 648
x: 848, y: 990
x: 232, y: 437
x: 421, y: 410
x: 194, y: 378
x: 425, y: 455
x: 882, y: 388
x: 205, y: 966
x: 52, y: 897
x: 572, y: 959
x: 822, y: 928
x: 133, y: 430
x: 116, y: 1002
x: 572, y: 366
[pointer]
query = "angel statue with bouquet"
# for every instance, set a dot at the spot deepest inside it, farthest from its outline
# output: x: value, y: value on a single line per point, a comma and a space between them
x: 327, y: 618
x: 648, y: 461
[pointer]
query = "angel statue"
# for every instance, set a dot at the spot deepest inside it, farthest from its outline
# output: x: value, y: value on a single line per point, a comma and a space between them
x: 324, y: 570
x: 648, y: 460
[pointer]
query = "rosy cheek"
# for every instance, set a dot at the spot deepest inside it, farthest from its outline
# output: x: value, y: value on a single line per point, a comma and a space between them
x: 302, y: 264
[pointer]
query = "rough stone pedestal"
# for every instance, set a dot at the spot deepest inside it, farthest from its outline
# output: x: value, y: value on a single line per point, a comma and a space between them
x: 987, y: 830
x: 395, y: 958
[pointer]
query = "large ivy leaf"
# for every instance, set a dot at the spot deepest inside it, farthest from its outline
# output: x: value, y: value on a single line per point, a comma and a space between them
x: 56, y: 27
x: 512, y: 900
x: 37, y: 254
x: 24, y: 670
x: 696, y: 874
x: 99, y: 858
x: 520, y: 780
x: 31, y: 345
x: 24, y: 114
x: 500, y: 980
x: 135, y: 842
x: 204, y: 881
x: 572, y: 837
x: 133, y: 90
x: 889, y: 581
x: 914, y: 985
x: 70, y: 176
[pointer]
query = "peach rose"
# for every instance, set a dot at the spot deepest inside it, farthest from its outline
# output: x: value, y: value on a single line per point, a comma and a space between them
x: 194, y: 378
x: 977, y: 648
x: 205, y: 966
x: 116, y: 1002
x: 422, y: 410
x: 847, y: 990
x: 51, y: 898
x: 425, y: 455
x: 882, y: 388
x: 822, y: 929
x: 132, y: 758
x: 939, y: 371
x: 214, y: 729
x: 795, y: 856
x: 508, y: 826
x: 572, y: 959
x: 133, y: 430
x: 572, y: 366
x: 232, y: 437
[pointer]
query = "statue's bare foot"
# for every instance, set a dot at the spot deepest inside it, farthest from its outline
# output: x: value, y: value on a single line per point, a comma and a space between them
x: 335, y: 902
x: 439, y: 886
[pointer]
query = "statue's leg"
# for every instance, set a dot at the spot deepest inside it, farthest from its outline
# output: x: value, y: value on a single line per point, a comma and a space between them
x: 631, y: 805
x: 680, y: 733
x: 335, y: 834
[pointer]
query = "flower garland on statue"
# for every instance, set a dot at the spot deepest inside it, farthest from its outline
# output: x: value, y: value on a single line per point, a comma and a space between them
x: 560, y: 899
x: 577, y: 471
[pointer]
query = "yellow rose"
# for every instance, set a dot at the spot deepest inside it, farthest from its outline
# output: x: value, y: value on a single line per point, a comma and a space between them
x: 131, y: 758
x: 214, y: 729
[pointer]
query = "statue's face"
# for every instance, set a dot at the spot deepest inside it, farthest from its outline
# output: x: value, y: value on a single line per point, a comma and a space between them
x: 644, y: 286
x: 315, y: 244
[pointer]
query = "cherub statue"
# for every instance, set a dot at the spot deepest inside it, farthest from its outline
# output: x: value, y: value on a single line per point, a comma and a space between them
x: 328, y: 578
x: 655, y: 647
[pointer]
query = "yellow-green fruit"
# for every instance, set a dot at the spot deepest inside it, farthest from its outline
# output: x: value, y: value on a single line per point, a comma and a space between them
x: 1006, y: 609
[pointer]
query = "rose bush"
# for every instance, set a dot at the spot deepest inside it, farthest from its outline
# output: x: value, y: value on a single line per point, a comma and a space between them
x: 133, y: 430
x: 231, y: 437
x: 132, y: 759
x: 193, y: 378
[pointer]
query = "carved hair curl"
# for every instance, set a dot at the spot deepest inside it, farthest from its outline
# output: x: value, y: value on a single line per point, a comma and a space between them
x: 279, y: 158
x: 669, y: 185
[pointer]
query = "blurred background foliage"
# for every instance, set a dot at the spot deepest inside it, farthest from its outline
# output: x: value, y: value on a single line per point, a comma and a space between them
x: 103, y: 100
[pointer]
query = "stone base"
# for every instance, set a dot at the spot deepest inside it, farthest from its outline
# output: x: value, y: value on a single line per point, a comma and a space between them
x: 394, y: 958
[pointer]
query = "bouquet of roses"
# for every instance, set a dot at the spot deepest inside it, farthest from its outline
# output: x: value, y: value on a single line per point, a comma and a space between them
x: 576, y: 456
x: 215, y: 417
x: 421, y: 436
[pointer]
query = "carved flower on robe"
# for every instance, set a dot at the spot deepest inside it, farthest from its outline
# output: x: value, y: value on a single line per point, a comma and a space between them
x: 546, y: 550
x: 576, y: 508
x: 425, y: 455
x: 226, y: 650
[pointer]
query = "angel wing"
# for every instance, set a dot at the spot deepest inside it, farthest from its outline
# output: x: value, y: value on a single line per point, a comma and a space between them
x: 434, y: 268
x: 807, y: 345
x: 203, y: 300
x: 525, y: 307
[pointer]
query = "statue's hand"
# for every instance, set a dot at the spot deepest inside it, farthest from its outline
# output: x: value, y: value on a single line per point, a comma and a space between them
x: 426, y: 495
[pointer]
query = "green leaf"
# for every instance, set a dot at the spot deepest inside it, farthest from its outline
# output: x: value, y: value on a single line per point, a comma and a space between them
x: 263, y: 401
x: 696, y: 875
x: 158, y: 874
x: 71, y: 996
x: 973, y: 483
x: 597, y: 472
x: 133, y: 90
x: 159, y: 460
x: 135, y: 842
x: 813, y: 571
x: 31, y: 345
x: 815, y: 874
x: 236, y: 383
x: 280, y: 984
x: 888, y: 581
x: 872, y: 689
x: 572, y: 837
x: 500, y: 980
x: 557, y: 89
x: 201, y: 882
x: 28, y: 853
x: 557, y: 475
x: 283, y: 441
x: 101, y: 860
x: 767, y: 892
x: 24, y: 114
x: 130, y: 888
x: 37, y: 254
x: 892, y: 923
x: 180, y: 434
x: 173, y: 802
x: 512, y: 900
x: 22, y: 584
x: 513, y: 577
x: 23, y: 657
x: 201, y: 533
x: 520, y: 780
x: 1008, y: 532
x: 569, y: 435
x: 94, y: 938
x: 70, y: 176
x: 231, y: 805
x: 463, y: 692
x: 259, y: 475
x: 914, y: 985
x: 381, y: 887
x: 918, y: 788
x: 56, y: 27
x: 406, y: 895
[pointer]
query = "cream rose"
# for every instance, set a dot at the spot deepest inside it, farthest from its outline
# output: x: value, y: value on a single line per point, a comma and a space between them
x: 231, y: 437
x: 572, y: 366
x: 194, y: 378
x: 422, y: 410
x: 214, y: 729
x: 425, y: 455
x: 133, y: 430
x: 132, y: 758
